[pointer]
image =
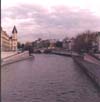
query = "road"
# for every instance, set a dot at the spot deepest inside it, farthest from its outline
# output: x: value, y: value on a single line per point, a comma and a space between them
x: 46, y: 78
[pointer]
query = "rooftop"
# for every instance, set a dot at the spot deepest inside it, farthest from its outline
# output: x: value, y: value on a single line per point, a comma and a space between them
x: 14, y: 30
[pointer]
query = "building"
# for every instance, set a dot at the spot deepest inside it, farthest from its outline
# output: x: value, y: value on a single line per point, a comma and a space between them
x: 71, y: 46
x: 98, y: 40
x: 68, y: 43
x: 38, y: 43
x: 5, y: 45
x: 96, y: 43
x: 9, y: 43
x: 52, y: 43
x: 65, y: 43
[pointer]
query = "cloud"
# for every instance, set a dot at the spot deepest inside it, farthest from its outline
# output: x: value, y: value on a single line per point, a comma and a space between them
x: 35, y: 21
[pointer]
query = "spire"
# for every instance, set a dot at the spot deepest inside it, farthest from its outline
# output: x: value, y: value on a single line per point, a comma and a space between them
x: 14, y: 30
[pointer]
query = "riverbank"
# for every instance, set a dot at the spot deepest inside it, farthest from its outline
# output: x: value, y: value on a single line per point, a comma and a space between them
x: 15, y: 58
x: 88, y: 63
x: 65, y: 53
x: 91, y: 69
x: 97, y: 56
x: 8, y: 54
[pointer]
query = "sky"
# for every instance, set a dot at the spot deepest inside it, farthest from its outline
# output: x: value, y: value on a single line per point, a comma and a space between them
x: 49, y: 19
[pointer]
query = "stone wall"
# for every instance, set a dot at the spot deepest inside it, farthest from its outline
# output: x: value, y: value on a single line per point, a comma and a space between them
x: 91, y: 69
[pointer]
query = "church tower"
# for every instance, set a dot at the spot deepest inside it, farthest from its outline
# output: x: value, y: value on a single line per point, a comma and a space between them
x: 14, y: 39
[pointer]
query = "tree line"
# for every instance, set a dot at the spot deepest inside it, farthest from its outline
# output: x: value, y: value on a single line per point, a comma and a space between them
x: 86, y: 42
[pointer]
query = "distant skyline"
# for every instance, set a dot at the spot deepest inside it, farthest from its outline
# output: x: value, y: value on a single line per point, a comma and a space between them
x: 49, y: 19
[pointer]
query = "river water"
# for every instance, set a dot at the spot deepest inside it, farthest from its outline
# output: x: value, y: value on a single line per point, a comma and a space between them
x: 46, y: 78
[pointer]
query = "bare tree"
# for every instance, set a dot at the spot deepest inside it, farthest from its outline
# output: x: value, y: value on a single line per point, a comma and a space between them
x: 84, y: 41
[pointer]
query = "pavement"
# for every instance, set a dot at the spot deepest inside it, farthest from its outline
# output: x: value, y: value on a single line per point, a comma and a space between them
x: 91, y: 59
x: 14, y: 58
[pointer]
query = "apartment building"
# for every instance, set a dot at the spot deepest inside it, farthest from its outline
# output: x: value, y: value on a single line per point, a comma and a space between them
x: 9, y: 43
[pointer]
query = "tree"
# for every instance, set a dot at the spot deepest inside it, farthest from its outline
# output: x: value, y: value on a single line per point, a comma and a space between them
x: 59, y: 44
x: 23, y: 45
x: 33, y: 43
x: 27, y: 45
x: 84, y: 41
x: 19, y: 45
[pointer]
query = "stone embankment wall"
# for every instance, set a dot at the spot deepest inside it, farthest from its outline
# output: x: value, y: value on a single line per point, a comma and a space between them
x: 97, y: 56
x: 91, y: 69
x: 15, y: 58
